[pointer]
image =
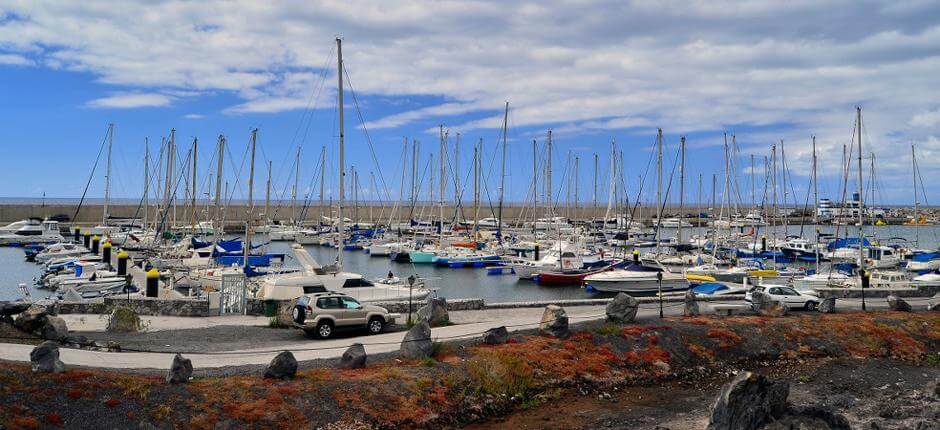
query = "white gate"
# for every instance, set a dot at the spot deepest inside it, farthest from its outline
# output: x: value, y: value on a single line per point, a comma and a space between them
x: 233, y: 294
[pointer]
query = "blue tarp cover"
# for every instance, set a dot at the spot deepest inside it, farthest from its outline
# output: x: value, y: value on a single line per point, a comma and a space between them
x: 709, y: 288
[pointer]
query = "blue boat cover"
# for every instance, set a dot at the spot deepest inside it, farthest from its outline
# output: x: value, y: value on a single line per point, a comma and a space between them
x: 709, y: 288
x: 845, y: 243
x: 927, y: 256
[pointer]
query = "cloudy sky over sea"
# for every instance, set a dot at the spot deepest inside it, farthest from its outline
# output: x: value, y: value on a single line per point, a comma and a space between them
x: 591, y: 72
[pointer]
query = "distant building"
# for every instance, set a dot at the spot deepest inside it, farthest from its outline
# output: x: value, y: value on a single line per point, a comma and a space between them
x: 827, y: 210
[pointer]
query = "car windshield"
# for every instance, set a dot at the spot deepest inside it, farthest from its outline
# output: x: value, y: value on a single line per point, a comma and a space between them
x: 350, y: 303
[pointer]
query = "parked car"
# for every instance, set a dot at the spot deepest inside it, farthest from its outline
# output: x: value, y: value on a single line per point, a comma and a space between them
x: 321, y: 314
x: 788, y: 296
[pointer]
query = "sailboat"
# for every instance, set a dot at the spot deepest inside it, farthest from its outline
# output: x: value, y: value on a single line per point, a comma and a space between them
x: 316, y: 278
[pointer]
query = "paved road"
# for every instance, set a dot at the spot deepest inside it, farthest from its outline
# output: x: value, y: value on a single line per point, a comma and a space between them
x: 468, y: 324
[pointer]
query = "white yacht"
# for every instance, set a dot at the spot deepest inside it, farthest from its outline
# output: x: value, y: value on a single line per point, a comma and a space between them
x: 316, y: 278
x: 58, y: 250
x: 638, y: 279
x: 674, y: 223
x: 33, y: 231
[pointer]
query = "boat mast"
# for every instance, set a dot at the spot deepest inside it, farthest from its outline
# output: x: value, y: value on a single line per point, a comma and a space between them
x: 861, y: 198
x: 577, y: 162
x: 218, y: 190
x: 594, y: 193
x: 342, y: 153
x: 815, y: 186
x: 535, y: 182
x: 681, y: 187
x: 192, y: 202
x: 548, y: 177
x: 440, y: 203
x: 251, y: 200
x: 612, y: 194
x: 323, y: 179
x: 659, y: 183
x: 476, y: 186
x: 293, y: 193
x: 107, y: 177
x: 267, y: 192
x: 914, y: 174
x: 146, y: 180
x: 502, y: 173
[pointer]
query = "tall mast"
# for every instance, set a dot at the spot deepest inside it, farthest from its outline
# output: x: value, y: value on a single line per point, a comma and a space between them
x: 251, y: 198
x: 502, y: 171
x: 476, y: 186
x: 146, y: 179
x: 612, y: 194
x: 440, y: 203
x: 577, y: 160
x: 681, y: 185
x: 535, y: 180
x: 815, y: 186
x: 171, y: 196
x: 293, y: 193
x: 192, y: 201
x: 107, y: 177
x: 342, y: 153
x: 594, y: 193
x: 267, y: 192
x: 217, y: 227
x: 753, y: 196
x: 548, y: 177
x: 322, y: 180
x: 659, y: 180
x: 861, y: 197
x: 458, y: 192
x: 914, y: 166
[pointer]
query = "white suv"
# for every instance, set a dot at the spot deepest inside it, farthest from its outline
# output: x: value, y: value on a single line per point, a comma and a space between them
x: 788, y: 296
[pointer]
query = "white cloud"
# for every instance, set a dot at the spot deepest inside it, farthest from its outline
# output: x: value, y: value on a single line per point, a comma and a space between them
x: 131, y: 100
x: 797, y: 68
x: 926, y: 119
x: 15, y: 60
x: 194, y: 116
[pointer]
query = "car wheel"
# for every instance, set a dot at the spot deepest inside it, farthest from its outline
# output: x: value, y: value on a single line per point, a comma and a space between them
x: 810, y: 306
x: 324, y: 329
x: 376, y: 324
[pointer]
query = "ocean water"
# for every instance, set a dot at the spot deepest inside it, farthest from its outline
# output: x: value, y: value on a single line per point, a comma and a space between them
x: 469, y: 282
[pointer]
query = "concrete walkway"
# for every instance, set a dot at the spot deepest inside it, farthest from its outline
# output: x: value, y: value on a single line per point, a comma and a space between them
x: 468, y: 324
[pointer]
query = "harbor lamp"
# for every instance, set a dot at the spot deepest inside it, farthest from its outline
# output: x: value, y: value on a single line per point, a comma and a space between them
x: 659, y: 283
x: 411, y: 284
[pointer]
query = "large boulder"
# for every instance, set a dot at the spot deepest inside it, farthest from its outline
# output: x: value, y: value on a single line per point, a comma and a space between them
x: 554, y: 322
x: 124, y: 319
x: 766, y: 306
x: 496, y: 336
x: 33, y: 318
x: 691, y: 305
x: 8, y: 309
x: 181, y: 369
x: 748, y: 402
x: 55, y: 329
x: 435, y: 312
x: 45, y: 358
x: 898, y: 304
x: 417, y: 343
x: 934, y: 305
x: 623, y: 308
x: 354, y: 357
x: 828, y: 305
x: 282, y: 366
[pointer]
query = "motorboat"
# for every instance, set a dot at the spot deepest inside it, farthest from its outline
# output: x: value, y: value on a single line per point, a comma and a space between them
x: 674, y: 223
x: 927, y: 261
x: 315, y: 278
x: 819, y: 280
x: 58, y: 250
x: 33, y: 231
x: 712, y: 289
x: 647, y: 277
x: 572, y: 276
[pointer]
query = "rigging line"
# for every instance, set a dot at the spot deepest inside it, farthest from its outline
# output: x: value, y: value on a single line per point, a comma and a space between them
x: 365, y: 131
x: 92, y: 175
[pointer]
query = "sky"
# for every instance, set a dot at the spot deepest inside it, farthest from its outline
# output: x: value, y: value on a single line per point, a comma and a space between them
x: 591, y: 72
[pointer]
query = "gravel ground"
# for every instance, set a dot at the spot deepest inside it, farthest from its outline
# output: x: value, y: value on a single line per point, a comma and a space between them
x: 872, y: 393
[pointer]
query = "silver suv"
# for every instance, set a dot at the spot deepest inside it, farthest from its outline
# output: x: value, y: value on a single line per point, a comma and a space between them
x: 320, y: 314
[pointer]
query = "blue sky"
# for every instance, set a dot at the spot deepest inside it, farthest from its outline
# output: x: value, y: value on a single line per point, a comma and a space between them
x: 590, y: 72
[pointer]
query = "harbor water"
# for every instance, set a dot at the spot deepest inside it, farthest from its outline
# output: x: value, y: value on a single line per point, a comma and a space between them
x: 472, y: 282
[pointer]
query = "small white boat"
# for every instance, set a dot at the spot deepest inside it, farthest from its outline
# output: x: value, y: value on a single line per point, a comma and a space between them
x: 33, y: 231
x: 59, y: 250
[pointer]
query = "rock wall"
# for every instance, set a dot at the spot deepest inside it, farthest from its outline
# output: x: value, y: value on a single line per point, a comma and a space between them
x: 143, y: 306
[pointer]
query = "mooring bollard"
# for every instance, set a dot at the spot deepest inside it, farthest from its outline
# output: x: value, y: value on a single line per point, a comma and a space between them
x: 77, y: 235
x: 153, y: 279
x: 95, y: 244
x: 86, y: 240
x: 122, y: 258
x: 106, y: 253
